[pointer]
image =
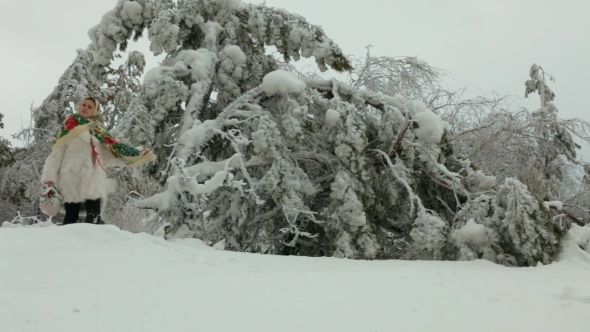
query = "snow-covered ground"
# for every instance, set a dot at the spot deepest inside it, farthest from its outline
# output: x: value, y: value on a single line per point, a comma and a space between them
x: 84, y: 278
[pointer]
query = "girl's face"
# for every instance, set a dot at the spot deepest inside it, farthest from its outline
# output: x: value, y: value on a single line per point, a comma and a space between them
x: 87, y: 108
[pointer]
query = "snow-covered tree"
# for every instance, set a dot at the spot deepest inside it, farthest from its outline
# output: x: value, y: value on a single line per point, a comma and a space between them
x: 499, y: 137
x: 538, y: 147
x: 6, y: 160
x: 510, y: 227
x: 552, y: 138
x: 20, y: 183
x: 254, y: 157
x: 6, y: 153
x: 488, y: 131
x: 258, y: 159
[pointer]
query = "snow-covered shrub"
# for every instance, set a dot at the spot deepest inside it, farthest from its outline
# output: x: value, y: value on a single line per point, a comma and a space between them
x: 576, y: 244
x: 528, y: 231
x: 132, y: 219
x: 512, y: 225
x: 20, y: 221
x: 304, y: 184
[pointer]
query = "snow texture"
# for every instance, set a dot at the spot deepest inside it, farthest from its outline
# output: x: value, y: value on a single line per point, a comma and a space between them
x: 479, y: 182
x: 156, y: 74
x: 332, y: 117
x: 576, y: 245
x: 133, y: 11
x: 280, y: 81
x: 164, y: 31
x: 558, y: 205
x: 473, y: 232
x: 196, y: 136
x: 431, y: 126
x: 199, y: 61
x: 71, y: 279
x: 428, y: 235
x: 235, y: 53
x: 228, y: 3
x: 211, y: 30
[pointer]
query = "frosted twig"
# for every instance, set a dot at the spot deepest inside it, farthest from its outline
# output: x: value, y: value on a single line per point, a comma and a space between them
x: 165, y: 171
x: 231, y: 122
x: 237, y: 103
x: 441, y: 201
x: 294, y: 229
x: 133, y: 192
x: 453, y: 177
x: 474, y: 129
x: 261, y: 217
x: 36, y: 169
x: 308, y: 212
x: 397, y: 147
x: 560, y: 217
x: 408, y: 188
x: 456, y: 198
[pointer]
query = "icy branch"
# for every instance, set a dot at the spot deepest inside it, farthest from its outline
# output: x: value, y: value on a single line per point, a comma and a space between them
x: 408, y: 188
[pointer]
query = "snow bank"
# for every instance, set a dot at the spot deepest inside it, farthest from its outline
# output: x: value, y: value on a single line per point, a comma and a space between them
x: 71, y: 279
x: 576, y: 245
x: 8, y: 224
x: 280, y: 81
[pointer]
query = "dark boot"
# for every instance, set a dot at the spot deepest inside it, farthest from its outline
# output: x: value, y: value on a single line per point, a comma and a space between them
x: 72, y: 212
x: 93, y: 211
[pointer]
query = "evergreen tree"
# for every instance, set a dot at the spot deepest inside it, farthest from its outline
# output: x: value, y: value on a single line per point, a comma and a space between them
x: 552, y: 138
x: 6, y: 153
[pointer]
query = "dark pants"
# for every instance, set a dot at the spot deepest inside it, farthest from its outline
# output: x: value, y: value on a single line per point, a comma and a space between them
x: 92, y: 212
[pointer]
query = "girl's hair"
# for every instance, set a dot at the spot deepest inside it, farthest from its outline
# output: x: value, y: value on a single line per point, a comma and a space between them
x: 93, y: 100
x: 90, y: 98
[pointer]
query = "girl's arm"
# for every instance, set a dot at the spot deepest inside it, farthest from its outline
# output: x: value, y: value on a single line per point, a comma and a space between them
x: 52, y: 165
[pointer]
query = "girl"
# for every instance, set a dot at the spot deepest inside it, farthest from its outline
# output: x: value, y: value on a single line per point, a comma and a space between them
x: 77, y: 164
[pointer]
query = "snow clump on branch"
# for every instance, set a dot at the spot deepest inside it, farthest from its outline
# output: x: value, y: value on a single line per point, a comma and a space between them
x: 282, y: 82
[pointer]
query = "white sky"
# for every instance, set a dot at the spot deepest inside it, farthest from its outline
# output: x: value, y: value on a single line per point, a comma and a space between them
x: 488, y: 44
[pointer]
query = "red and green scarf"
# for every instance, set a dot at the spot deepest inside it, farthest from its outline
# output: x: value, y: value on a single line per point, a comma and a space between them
x: 77, y: 124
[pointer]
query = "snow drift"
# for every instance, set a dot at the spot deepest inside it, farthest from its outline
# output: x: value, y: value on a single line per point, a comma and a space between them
x: 98, y: 278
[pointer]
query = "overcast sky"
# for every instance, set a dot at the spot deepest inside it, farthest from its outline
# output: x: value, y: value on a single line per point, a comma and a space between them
x: 488, y: 44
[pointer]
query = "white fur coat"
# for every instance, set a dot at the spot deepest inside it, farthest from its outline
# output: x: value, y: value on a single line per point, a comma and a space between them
x: 73, y: 172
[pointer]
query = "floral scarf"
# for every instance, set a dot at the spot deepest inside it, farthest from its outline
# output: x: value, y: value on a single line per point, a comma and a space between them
x: 77, y: 124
